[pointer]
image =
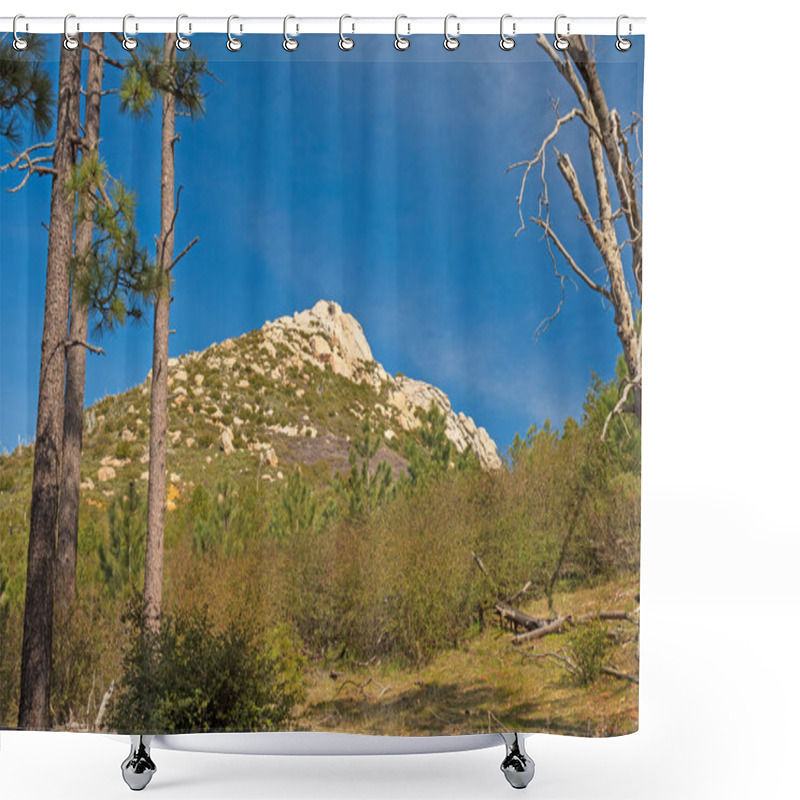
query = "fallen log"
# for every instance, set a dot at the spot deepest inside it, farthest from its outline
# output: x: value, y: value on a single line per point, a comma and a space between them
x: 505, y: 611
x: 558, y: 625
x: 617, y: 674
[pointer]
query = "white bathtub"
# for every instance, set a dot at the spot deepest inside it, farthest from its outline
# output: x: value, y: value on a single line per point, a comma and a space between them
x: 139, y: 767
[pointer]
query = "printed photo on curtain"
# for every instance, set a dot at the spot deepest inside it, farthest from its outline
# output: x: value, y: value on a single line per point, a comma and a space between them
x: 321, y: 376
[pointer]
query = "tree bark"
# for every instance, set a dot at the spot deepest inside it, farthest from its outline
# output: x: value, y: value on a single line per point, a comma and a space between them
x: 67, y: 546
x: 156, y: 490
x: 606, y: 141
x: 621, y: 167
x: 34, y: 705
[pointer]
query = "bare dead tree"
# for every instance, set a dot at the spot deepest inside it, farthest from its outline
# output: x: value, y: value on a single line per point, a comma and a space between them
x: 615, y: 161
x: 34, y: 706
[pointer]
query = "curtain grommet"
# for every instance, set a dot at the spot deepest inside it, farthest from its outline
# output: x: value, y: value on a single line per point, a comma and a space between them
x: 623, y: 44
x: 507, y: 42
x: 233, y: 44
x: 345, y: 42
x: 181, y: 42
x: 290, y: 44
x: 70, y: 42
x: 560, y: 42
x: 128, y: 42
x: 19, y: 44
x: 401, y: 43
x: 451, y: 43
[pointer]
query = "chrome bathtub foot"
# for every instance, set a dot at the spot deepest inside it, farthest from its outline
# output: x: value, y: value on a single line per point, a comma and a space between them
x: 138, y: 768
x: 517, y: 766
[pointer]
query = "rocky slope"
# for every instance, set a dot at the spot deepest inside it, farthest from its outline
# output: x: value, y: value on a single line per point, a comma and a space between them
x: 327, y: 336
x: 294, y: 392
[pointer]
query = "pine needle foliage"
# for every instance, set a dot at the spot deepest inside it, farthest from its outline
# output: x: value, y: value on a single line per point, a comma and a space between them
x: 148, y: 76
x: 122, y: 559
x: 26, y: 90
x: 117, y: 277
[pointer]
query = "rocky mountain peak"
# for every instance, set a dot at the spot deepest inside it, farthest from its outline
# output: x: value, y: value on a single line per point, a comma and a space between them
x: 294, y: 391
x: 327, y: 335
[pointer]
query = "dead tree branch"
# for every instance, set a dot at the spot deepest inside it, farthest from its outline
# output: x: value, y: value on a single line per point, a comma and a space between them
x: 184, y: 251
x: 80, y: 343
x: 613, y: 166
x: 562, y: 624
x: 363, y: 687
x: 101, y: 713
x: 634, y: 383
x: 551, y: 234
x: 30, y: 166
x: 615, y: 673
x: 102, y: 54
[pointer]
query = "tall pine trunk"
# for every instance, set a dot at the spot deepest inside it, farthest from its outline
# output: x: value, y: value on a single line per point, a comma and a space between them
x: 157, y: 486
x: 67, y: 547
x: 34, y: 704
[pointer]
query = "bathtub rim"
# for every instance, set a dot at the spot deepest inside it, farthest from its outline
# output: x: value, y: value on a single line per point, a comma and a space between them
x: 319, y: 743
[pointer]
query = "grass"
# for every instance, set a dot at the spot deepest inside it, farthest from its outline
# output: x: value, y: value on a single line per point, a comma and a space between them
x: 488, y: 685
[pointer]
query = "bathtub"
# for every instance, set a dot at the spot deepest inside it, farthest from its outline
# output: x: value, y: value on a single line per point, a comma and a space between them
x: 139, y: 767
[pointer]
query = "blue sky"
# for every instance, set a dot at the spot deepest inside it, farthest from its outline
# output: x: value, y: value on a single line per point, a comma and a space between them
x: 373, y: 178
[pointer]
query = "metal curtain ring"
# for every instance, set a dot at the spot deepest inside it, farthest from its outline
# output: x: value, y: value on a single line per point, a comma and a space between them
x: 128, y: 42
x: 507, y: 42
x: 233, y: 44
x: 345, y: 43
x: 623, y: 44
x: 70, y: 42
x: 289, y: 44
x: 560, y: 42
x: 181, y: 42
x: 450, y: 42
x: 19, y: 43
x: 401, y: 42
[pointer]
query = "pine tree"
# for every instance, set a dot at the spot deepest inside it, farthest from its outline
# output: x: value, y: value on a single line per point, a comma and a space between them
x: 111, y: 278
x: 121, y: 562
x: 34, y: 709
x: 367, y: 490
x: 177, y: 81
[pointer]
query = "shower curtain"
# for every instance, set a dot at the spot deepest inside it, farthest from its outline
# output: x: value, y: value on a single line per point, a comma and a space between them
x: 321, y: 385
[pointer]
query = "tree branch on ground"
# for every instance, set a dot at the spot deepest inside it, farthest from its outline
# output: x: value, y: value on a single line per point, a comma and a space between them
x: 562, y: 624
x: 363, y: 687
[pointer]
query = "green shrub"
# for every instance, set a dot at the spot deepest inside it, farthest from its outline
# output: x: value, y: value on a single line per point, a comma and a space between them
x: 588, y: 646
x: 189, y: 677
x: 123, y: 450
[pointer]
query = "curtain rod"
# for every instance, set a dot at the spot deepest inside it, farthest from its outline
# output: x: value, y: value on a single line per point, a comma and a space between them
x: 513, y: 26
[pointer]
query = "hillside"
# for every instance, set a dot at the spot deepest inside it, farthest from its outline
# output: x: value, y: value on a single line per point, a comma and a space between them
x: 293, y: 392
x: 297, y: 565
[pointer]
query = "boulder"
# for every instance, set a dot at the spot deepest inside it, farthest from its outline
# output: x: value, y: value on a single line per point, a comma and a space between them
x: 226, y: 441
x: 106, y: 474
